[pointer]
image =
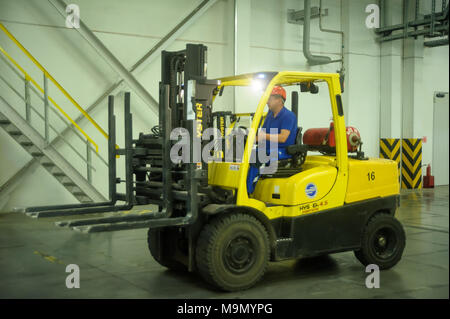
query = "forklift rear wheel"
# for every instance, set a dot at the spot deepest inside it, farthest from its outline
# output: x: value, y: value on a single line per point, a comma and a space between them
x: 233, y: 251
x: 157, y: 239
x: 382, y: 243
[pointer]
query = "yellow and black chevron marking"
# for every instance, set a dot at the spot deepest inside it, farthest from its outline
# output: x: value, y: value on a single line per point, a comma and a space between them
x: 390, y: 149
x: 412, y: 163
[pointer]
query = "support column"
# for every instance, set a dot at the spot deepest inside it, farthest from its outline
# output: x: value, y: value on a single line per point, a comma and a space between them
x: 391, y: 76
x: 412, y: 87
x: 242, y: 36
x: 391, y: 86
x: 413, y: 106
x: 242, y: 30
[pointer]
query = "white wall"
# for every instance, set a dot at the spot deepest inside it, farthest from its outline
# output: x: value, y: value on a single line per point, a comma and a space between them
x: 265, y: 42
x: 435, y: 78
x: 128, y: 29
x: 277, y: 45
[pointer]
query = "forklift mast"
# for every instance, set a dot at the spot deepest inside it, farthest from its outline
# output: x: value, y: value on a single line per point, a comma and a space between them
x: 178, y: 188
x: 185, y: 107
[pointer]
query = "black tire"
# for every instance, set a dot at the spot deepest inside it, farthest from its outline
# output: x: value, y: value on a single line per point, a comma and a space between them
x: 164, y: 257
x: 233, y: 251
x: 383, y: 242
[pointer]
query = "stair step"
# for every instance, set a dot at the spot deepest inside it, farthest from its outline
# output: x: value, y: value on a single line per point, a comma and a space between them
x: 37, y: 154
x: 69, y: 184
x: 26, y: 144
x: 52, y: 160
x: 64, y: 179
x: 59, y: 174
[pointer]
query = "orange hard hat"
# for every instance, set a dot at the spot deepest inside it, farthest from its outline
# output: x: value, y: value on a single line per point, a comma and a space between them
x: 278, y: 90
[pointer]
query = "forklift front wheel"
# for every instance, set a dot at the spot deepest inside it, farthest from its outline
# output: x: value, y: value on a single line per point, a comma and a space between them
x: 382, y: 243
x: 233, y: 251
x: 162, y: 246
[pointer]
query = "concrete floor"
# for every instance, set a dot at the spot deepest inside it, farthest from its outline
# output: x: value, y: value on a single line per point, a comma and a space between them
x: 34, y: 254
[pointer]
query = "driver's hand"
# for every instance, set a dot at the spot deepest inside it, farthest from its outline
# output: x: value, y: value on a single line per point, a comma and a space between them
x: 261, y: 135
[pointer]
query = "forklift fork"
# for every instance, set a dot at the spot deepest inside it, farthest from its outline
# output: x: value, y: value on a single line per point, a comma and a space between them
x: 130, y: 220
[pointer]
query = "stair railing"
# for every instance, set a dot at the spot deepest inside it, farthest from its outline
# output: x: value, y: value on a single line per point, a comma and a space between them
x: 42, y: 93
x: 45, y: 98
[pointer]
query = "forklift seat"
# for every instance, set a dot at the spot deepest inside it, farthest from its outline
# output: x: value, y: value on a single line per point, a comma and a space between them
x: 298, y: 151
x: 298, y: 147
x: 288, y: 166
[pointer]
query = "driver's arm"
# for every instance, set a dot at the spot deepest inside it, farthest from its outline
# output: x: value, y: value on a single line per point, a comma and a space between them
x: 280, y: 138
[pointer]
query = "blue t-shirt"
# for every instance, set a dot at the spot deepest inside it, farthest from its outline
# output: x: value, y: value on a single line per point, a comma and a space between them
x: 285, y: 120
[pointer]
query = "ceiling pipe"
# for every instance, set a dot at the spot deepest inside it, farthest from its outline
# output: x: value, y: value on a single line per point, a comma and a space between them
x: 436, y: 43
x: 312, y: 59
x: 434, y: 24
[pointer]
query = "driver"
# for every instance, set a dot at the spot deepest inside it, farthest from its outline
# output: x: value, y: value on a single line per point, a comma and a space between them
x: 279, y: 118
x: 285, y: 124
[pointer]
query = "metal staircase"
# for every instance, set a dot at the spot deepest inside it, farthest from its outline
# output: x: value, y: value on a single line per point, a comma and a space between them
x: 33, y: 127
x: 24, y: 134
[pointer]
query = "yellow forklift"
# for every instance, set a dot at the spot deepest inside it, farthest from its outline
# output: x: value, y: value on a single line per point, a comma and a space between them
x: 318, y: 204
x: 207, y: 221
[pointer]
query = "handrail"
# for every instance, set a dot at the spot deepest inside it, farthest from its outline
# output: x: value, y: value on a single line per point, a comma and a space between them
x: 70, y: 145
x: 29, y: 78
x: 48, y: 75
x: 51, y: 126
x: 54, y: 110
